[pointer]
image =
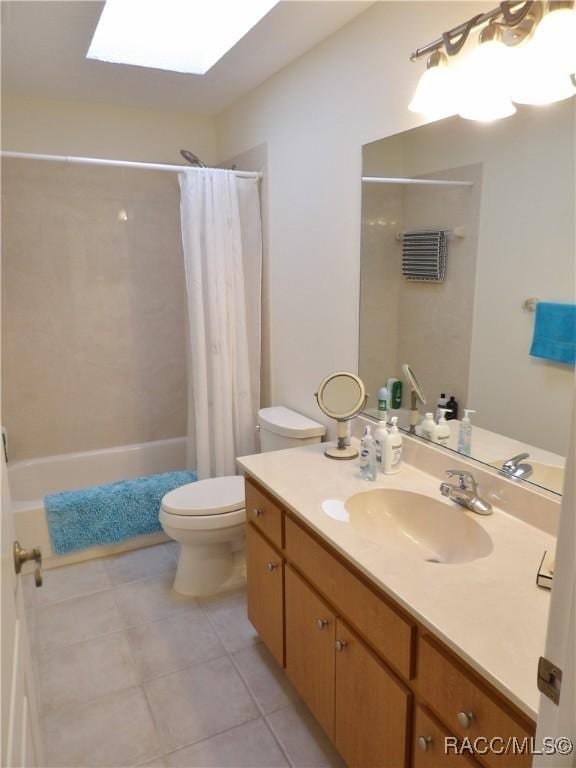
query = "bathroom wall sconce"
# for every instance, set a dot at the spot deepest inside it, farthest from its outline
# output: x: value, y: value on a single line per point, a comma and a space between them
x: 526, y: 55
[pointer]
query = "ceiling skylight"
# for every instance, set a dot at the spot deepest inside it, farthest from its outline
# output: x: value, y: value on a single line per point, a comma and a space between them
x: 178, y: 35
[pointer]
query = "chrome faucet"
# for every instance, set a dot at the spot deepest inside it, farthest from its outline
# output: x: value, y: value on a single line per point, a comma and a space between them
x: 465, y: 493
x: 513, y: 468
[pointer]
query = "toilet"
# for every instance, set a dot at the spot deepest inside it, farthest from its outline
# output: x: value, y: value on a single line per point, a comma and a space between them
x: 207, y: 517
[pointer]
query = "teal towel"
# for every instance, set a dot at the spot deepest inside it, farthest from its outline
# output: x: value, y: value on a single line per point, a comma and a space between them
x: 106, y: 514
x: 555, y: 332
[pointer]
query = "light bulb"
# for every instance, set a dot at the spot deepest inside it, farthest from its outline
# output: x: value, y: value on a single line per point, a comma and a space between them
x: 484, y: 91
x: 556, y: 36
x: 435, y: 95
x: 534, y: 79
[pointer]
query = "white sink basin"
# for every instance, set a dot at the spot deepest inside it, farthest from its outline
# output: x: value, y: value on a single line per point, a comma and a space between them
x: 546, y: 475
x: 424, y: 526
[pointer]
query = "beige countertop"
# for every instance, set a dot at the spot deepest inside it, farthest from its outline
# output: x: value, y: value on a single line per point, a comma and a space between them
x: 489, y: 611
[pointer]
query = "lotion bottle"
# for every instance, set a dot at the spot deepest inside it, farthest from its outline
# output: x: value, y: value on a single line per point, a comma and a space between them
x: 465, y: 433
x: 383, y: 403
x: 442, y: 428
x: 392, y: 458
x: 380, y: 436
x: 429, y: 427
x: 367, y: 456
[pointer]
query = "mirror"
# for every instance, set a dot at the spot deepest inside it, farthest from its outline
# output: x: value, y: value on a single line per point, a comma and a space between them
x: 341, y: 396
x: 502, y: 195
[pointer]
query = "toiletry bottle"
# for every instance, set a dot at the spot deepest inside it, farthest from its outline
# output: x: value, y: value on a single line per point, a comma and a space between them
x: 452, y: 407
x: 383, y: 399
x: 428, y: 428
x: 440, y: 403
x: 393, y: 449
x: 394, y: 387
x: 465, y: 434
x: 367, y: 456
x: 379, y: 437
x: 443, y: 428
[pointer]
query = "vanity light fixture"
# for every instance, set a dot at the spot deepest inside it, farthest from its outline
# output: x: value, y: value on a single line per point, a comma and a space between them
x: 556, y: 35
x: 436, y: 94
x: 534, y: 79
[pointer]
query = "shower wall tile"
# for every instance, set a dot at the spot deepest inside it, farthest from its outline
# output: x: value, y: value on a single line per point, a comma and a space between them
x: 94, y: 314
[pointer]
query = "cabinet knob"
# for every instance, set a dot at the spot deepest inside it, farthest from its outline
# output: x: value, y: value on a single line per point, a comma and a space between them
x: 423, y: 742
x: 465, y: 718
x: 258, y: 512
x: 340, y: 645
x: 272, y: 567
x: 321, y: 623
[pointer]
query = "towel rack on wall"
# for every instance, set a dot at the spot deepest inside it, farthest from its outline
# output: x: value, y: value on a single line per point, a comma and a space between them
x: 530, y: 304
x: 457, y: 232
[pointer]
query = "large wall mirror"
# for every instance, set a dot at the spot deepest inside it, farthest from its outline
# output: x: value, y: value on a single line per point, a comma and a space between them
x: 503, y: 194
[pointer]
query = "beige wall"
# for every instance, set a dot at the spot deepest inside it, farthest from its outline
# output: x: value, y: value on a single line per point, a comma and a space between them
x: 93, y: 310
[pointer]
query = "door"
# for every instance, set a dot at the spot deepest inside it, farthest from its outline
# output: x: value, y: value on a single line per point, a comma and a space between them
x: 21, y: 744
x: 310, y: 637
x: 372, y: 707
x: 264, y: 585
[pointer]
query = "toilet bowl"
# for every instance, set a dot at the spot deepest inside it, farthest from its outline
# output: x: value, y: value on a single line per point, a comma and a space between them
x: 207, y: 519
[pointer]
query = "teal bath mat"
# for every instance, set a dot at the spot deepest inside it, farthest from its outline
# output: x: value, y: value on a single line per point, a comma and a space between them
x: 107, y: 514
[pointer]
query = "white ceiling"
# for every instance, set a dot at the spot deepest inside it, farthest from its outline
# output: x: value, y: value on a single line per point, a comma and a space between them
x: 44, y: 44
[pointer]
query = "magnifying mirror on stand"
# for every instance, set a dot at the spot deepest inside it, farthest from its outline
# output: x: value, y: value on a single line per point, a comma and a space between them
x: 415, y: 395
x: 341, y: 396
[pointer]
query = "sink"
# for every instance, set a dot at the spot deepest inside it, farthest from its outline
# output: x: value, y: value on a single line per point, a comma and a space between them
x: 546, y: 475
x: 421, y: 525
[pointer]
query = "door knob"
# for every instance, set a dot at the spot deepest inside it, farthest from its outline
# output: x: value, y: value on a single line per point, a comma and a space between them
x: 321, y: 623
x: 423, y: 742
x: 341, y: 644
x: 22, y: 556
x: 465, y: 719
x: 272, y: 567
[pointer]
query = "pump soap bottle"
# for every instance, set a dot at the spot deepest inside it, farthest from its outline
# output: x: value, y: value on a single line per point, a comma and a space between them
x: 443, y: 428
x: 465, y: 433
x: 392, y: 458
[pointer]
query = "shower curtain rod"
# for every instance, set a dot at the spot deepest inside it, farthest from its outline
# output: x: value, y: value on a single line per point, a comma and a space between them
x: 118, y: 163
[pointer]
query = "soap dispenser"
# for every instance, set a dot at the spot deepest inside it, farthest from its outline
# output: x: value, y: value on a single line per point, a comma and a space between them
x: 380, y: 436
x: 392, y: 458
x: 443, y: 428
x: 465, y: 433
x: 429, y: 427
x: 367, y: 456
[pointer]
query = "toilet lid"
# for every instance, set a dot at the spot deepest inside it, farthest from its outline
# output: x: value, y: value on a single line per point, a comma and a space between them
x: 214, y: 496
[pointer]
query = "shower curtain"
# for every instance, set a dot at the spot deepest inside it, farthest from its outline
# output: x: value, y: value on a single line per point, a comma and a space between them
x: 222, y: 243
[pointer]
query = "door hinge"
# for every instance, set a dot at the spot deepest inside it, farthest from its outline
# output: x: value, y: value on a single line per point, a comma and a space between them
x: 549, y: 679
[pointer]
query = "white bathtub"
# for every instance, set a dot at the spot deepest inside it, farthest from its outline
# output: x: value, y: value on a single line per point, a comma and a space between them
x: 30, y: 481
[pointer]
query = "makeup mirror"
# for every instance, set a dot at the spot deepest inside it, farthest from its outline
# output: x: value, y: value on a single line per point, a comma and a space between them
x: 341, y: 396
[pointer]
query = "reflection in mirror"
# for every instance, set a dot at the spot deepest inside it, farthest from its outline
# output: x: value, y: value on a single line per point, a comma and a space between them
x: 465, y: 228
x: 341, y: 396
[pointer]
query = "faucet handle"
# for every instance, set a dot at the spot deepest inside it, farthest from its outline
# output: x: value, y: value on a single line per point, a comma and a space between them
x: 466, y: 480
x: 514, y: 461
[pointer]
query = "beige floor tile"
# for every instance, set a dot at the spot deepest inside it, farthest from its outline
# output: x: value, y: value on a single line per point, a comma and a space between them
x: 228, y: 615
x: 81, y: 618
x: 72, y: 581
x: 199, y: 702
x: 302, y: 739
x: 141, y: 563
x: 78, y: 673
x: 150, y: 600
x: 157, y: 762
x: 264, y: 677
x: 251, y: 745
x: 173, y: 643
x: 115, y: 731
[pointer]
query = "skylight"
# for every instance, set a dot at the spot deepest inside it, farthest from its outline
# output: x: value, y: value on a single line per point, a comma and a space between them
x: 178, y: 35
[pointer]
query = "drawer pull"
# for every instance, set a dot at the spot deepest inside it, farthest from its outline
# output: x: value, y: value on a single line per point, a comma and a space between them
x: 424, y: 742
x: 465, y: 718
x: 321, y: 623
x: 258, y: 512
x: 272, y: 567
x: 340, y: 645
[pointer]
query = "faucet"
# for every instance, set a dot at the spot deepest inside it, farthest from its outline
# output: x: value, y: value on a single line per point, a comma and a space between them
x: 513, y: 468
x: 465, y: 493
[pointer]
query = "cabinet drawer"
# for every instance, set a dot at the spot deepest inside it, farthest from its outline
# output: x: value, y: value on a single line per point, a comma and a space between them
x: 265, y: 515
x: 450, y: 690
x: 429, y: 747
x: 384, y: 629
x: 265, y: 591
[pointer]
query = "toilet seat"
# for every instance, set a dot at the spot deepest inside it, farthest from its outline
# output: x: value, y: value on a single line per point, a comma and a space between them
x: 205, y: 498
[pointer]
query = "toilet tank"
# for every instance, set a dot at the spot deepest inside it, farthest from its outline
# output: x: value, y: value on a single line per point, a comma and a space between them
x: 282, y: 428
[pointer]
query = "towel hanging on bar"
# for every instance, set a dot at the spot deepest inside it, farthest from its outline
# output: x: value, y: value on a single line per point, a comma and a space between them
x: 424, y: 254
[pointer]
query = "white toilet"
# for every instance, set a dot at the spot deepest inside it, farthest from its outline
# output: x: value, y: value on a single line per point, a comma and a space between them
x: 207, y: 517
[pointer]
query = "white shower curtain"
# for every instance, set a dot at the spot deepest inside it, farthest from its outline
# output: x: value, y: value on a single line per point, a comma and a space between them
x: 222, y: 242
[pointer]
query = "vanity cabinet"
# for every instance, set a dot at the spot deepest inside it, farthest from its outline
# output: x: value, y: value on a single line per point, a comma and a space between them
x: 384, y: 689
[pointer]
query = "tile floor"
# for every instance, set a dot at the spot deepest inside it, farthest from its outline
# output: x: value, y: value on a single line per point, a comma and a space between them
x: 132, y: 674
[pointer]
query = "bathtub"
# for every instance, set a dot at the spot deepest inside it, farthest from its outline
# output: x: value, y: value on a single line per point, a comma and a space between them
x: 31, y: 480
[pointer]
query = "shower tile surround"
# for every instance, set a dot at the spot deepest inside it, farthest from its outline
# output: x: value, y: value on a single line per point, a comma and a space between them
x: 96, y: 252
x: 168, y: 680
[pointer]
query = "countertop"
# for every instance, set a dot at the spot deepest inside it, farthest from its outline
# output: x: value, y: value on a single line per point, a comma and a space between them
x: 488, y: 611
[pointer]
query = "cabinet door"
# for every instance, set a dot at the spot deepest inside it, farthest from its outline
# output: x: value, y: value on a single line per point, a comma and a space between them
x: 372, y: 707
x: 310, y: 636
x: 430, y: 749
x: 264, y: 583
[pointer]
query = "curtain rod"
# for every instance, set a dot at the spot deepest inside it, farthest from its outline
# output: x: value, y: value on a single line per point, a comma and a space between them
x: 118, y: 163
